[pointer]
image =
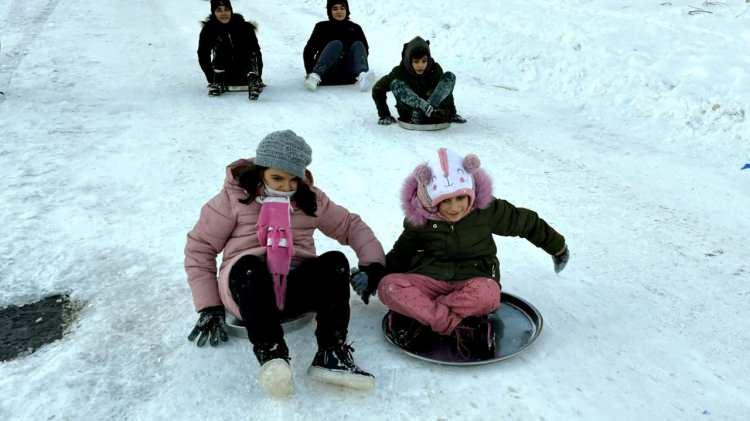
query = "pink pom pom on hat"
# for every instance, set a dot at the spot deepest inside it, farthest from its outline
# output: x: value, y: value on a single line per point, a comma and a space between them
x: 447, y: 177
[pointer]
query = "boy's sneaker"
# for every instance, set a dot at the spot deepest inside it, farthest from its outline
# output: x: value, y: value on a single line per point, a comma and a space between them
x: 254, y: 86
x: 335, y: 365
x: 275, y: 376
x: 364, y: 80
x: 475, y: 338
x: 312, y: 81
x: 456, y: 118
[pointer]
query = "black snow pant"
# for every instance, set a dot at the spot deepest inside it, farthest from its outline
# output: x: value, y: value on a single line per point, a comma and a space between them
x: 234, y: 66
x: 411, y: 107
x: 319, y: 284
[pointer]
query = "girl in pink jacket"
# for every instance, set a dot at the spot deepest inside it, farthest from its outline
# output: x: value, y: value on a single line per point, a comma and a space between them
x: 262, y: 221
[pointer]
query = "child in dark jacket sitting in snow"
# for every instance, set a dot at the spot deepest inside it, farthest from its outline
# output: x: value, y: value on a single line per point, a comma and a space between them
x: 228, y: 51
x: 424, y: 93
x: 336, y: 53
x: 443, y: 271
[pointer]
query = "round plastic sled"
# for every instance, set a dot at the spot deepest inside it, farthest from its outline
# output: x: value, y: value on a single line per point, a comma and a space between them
x: 236, y: 328
x: 423, y: 127
x: 517, y: 324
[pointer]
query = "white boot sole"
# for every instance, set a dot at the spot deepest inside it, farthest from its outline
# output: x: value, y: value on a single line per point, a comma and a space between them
x: 341, y: 378
x: 276, y: 378
x: 311, y: 84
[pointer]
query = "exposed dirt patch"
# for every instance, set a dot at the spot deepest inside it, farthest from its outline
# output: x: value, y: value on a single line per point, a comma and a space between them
x: 24, y: 329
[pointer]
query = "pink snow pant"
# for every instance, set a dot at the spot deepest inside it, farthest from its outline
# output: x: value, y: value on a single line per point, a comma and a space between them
x: 440, y: 305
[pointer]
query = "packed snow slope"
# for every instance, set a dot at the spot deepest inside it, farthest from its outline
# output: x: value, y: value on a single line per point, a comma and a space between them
x: 624, y: 124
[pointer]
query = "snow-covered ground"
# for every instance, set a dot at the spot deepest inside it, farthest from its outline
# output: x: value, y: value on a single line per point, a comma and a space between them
x: 624, y: 123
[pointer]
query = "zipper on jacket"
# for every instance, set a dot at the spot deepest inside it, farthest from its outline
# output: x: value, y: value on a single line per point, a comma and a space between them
x: 493, y: 271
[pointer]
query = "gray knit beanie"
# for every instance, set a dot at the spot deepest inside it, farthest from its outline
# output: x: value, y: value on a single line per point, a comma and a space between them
x: 285, y: 151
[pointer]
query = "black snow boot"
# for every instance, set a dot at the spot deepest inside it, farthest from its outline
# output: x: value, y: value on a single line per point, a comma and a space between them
x: 265, y: 352
x: 218, y: 86
x: 475, y: 338
x: 335, y: 365
x: 254, y: 86
x: 408, y: 333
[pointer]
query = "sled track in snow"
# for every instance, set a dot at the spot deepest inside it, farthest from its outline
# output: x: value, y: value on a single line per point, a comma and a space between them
x: 34, y: 27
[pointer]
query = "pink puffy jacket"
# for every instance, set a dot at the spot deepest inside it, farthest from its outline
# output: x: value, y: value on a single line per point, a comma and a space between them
x: 228, y: 226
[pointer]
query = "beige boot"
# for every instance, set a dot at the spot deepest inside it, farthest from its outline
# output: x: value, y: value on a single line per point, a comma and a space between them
x: 276, y: 378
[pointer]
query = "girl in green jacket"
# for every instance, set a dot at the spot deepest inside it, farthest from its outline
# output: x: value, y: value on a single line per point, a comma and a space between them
x: 443, y: 270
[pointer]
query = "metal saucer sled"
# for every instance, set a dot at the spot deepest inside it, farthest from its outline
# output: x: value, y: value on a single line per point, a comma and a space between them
x: 423, y: 127
x: 236, y: 328
x: 517, y: 325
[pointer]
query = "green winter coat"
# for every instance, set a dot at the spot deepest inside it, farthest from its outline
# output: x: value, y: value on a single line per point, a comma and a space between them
x: 466, y: 249
x: 422, y: 85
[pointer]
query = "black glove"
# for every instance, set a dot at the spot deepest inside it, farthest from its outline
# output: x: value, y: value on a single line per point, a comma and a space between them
x: 561, y: 260
x: 365, y: 280
x: 210, y: 324
x: 386, y: 121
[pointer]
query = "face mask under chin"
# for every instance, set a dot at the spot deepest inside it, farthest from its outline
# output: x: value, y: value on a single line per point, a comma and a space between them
x: 267, y: 191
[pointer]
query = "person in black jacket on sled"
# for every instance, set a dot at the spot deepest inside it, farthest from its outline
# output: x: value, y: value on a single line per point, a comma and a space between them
x: 424, y: 93
x: 228, y: 51
x: 336, y: 53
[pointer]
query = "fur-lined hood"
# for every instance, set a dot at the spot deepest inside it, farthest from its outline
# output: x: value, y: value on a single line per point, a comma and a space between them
x: 415, y: 211
x: 407, y: 54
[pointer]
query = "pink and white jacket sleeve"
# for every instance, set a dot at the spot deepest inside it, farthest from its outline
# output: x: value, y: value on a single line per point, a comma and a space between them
x: 348, y: 229
x: 204, y: 243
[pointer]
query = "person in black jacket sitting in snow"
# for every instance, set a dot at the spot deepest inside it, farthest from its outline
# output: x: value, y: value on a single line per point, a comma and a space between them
x: 336, y: 53
x: 228, y: 51
x: 424, y: 93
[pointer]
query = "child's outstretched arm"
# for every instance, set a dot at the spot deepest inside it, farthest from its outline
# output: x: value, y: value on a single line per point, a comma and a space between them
x: 520, y: 222
x: 379, y: 95
x: 312, y: 48
x: 204, y: 242
x: 349, y: 229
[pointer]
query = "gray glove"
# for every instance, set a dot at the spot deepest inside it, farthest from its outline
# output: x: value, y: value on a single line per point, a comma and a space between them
x: 386, y: 121
x: 561, y: 260
x: 365, y: 280
x: 210, y: 325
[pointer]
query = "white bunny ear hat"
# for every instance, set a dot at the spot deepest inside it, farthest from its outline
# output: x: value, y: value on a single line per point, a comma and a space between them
x: 447, y: 177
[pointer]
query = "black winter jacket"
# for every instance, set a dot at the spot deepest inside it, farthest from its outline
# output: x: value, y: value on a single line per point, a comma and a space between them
x: 238, y: 35
x: 324, y: 32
